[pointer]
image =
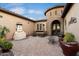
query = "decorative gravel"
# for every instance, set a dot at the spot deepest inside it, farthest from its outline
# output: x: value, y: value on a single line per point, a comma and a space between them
x: 36, y: 46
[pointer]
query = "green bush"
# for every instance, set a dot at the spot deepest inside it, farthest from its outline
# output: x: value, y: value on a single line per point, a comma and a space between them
x: 1, y: 40
x: 69, y: 37
x: 5, y: 44
x: 3, y: 31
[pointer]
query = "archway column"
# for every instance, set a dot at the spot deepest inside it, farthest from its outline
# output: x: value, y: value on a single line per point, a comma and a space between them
x: 48, y: 28
x: 62, y: 26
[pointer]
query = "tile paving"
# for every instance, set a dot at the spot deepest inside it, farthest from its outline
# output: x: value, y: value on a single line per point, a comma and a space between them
x: 36, y: 46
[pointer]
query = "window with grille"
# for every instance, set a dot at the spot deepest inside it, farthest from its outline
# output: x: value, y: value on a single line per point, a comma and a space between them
x: 40, y: 26
x: 37, y: 27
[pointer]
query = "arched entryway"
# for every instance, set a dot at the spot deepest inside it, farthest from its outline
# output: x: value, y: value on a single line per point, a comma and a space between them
x: 55, y: 27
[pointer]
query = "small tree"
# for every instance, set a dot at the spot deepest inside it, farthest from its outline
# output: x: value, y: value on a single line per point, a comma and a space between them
x: 4, y: 44
x: 3, y: 31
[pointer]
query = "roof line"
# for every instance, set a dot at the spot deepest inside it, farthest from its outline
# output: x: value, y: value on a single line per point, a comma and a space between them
x: 52, y: 8
x: 66, y: 9
x: 41, y: 20
x: 15, y: 14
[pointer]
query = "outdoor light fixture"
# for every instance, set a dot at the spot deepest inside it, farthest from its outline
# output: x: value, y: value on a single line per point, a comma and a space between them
x: 73, y: 20
x: 1, y: 16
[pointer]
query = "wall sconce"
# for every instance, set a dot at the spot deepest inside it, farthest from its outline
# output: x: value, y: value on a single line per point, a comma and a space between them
x: 1, y: 16
x: 73, y: 20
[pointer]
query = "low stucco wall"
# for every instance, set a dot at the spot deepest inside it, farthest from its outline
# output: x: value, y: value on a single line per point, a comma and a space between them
x: 10, y: 22
x: 74, y: 27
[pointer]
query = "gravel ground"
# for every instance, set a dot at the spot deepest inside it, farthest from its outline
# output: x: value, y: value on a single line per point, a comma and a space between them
x: 36, y: 46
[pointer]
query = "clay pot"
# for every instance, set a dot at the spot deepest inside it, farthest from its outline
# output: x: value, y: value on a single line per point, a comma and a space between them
x: 70, y: 48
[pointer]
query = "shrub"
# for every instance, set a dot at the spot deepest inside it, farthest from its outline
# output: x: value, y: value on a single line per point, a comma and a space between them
x: 5, y: 44
x: 69, y: 37
x: 3, y: 31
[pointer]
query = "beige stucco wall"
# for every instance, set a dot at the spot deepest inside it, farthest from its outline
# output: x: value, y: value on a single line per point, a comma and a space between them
x: 73, y: 28
x: 53, y: 17
x: 10, y: 22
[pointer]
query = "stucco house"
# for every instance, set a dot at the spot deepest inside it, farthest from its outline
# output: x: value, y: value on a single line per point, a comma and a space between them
x: 60, y: 19
x: 52, y: 25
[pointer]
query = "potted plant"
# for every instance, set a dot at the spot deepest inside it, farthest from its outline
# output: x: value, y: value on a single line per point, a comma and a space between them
x: 69, y: 45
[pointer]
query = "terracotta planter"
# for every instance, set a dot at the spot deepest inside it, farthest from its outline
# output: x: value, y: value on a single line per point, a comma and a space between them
x: 69, y: 49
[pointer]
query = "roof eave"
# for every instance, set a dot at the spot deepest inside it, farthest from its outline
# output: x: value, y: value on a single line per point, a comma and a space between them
x: 41, y: 21
x: 14, y: 14
x: 66, y: 9
x: 52, y: 8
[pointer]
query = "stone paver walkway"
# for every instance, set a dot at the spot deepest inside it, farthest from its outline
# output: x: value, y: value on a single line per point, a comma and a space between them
x: 36, y: 46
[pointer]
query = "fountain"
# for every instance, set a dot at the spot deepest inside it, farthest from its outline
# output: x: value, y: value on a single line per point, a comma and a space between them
x: 19, y: 34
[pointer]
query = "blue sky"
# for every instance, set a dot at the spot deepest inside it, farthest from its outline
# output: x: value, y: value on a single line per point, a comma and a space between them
x: 31, y: 10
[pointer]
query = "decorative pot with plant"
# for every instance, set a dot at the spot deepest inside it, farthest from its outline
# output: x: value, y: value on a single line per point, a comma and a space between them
x: 69, y: 45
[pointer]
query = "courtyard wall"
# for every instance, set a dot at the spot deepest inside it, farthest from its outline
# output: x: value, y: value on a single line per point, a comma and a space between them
x: 10, y: 22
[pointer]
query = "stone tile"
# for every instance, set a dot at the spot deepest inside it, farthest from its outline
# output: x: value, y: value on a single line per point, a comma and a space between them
x: 36, y: 46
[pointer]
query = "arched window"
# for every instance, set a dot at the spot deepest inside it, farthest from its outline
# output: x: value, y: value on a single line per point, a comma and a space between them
x: 50, y: 13
x: 55, y: 12
x: 61, y: 12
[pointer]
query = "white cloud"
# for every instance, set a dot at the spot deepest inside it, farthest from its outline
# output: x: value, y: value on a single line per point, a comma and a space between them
x: 21, y: 10
x: 18, y: 10
x: 30, y: 17
x: 33, y: 11
x: 16, y: 4
x: 40, y: 18
x: 35, y: 18
x: 29, y: 13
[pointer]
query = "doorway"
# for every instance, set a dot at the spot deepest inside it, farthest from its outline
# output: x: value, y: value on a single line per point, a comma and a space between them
x: 55, y: 27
